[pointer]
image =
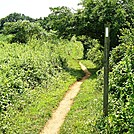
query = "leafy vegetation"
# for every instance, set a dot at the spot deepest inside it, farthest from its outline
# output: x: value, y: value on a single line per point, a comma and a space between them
x: 95, y: 54
x: 120, y: 118
x: 14, y: 17
x: 38, y: 62
x: 97, y: 13
x: 22, y: 31
x: 28, y: 74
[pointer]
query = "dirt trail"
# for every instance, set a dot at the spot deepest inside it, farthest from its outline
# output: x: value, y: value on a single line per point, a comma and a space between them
x: 53, y: 125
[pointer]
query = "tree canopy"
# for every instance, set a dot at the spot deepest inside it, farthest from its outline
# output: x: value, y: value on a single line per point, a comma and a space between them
x: 22, y: 31
x: 14, y: 17
x: 89, y: 21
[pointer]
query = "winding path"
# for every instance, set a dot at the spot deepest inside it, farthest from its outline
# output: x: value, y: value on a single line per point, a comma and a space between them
x: 53, y: 125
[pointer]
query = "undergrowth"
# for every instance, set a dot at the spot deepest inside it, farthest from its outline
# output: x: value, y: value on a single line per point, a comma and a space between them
x: 33, y: 79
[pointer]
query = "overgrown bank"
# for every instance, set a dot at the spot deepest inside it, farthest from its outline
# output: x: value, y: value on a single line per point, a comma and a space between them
x: 121, y: 88
x: 34, y: 78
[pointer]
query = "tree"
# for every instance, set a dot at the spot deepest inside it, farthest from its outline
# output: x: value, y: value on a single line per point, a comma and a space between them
x: 60, y: 20
x: 22, y: 31
x: 96, y: 13
x: 14, y: 17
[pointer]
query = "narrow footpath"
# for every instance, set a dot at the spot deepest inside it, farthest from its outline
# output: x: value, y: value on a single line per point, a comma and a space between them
x: 53, y: 125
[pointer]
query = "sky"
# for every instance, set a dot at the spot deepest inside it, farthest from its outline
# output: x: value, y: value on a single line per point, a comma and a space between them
x: 33, y: 8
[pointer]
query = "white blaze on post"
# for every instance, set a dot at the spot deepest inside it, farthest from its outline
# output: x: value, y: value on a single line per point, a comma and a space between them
x: 106, y: 32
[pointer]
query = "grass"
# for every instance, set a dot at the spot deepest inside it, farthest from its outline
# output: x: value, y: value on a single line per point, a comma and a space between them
x: 74, y: 69
x: 87, y: 106
x: 31, y: 116
x: 34, y: 115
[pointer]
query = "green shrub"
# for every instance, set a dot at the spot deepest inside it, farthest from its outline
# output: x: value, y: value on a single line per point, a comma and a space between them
x: 24, y: 69
x: 6, y: 38
x: 121, y: 99
x: 22, y: 31
x: 121, y: 88
x: 117, y: 54
x: 121, y: 96
x: 87, y: 44
x: 95, y: 54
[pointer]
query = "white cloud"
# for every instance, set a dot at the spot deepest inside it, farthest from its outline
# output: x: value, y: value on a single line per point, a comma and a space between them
x: 33, y: 8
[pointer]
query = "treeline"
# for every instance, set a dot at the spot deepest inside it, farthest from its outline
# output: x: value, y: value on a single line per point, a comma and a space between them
x: 88, y: 21
x: 14, y: 17
x: 31, y: 71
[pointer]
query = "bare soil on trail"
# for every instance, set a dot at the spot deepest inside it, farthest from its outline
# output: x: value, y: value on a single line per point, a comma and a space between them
x: 53, y: 125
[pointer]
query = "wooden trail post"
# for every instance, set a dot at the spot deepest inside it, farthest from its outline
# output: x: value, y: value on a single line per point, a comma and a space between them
x: 106, y: 70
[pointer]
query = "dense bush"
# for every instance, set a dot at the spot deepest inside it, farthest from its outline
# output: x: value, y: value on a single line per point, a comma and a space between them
x: 121, y: 95
x: 24, y: 68
x: 14, y: 17
x: 87, y: 44
x: 121, y: 89
x: 95, y: 54
x: 22, y: 31
x: 119, y: 52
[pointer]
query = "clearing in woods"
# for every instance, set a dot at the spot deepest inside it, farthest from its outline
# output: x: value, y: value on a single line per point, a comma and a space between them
x: 53, y: 125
